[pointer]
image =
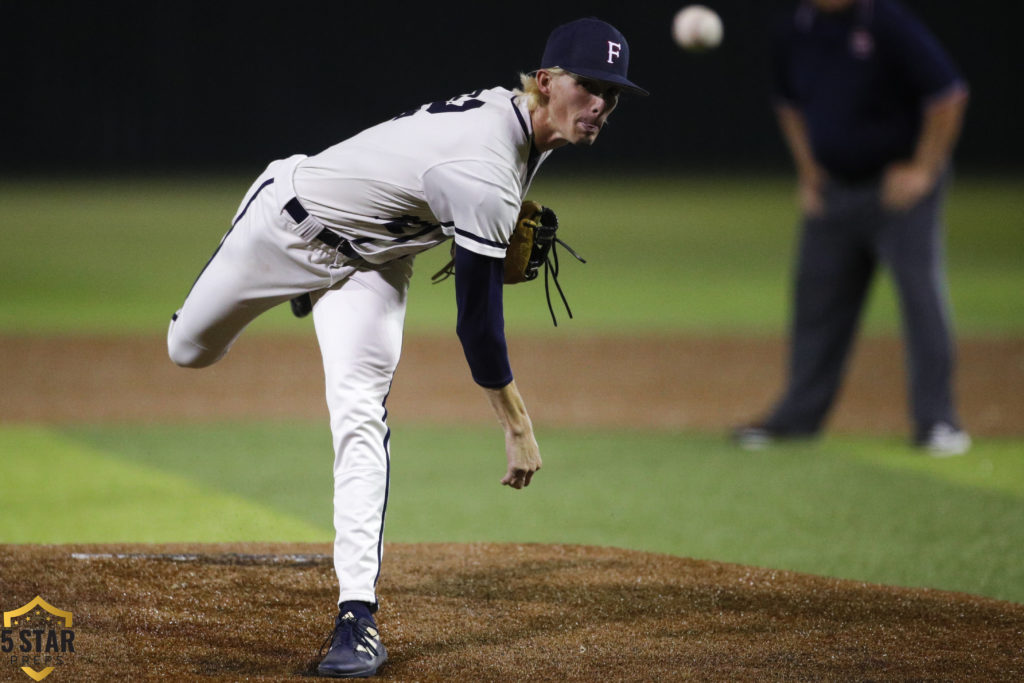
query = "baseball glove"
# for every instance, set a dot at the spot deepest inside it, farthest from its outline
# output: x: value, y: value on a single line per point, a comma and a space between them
x: 531, y: 245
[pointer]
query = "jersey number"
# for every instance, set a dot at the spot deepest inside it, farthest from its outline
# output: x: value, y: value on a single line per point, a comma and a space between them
x: 456, y: 104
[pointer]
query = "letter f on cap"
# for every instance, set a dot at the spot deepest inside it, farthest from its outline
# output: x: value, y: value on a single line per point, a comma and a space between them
x: 613, y: 51
x: 576, y: 47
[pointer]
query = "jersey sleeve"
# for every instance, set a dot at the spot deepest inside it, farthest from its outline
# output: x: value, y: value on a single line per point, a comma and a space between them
x: 476, y: 203
x: 924, y: 61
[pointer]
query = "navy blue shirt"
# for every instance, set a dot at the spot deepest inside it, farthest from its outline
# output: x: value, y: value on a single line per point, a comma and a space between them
x: 861, y: 78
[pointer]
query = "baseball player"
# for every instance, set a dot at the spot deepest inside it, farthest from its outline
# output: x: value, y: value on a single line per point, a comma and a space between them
x: 345, y: 225
x: 870, y: 105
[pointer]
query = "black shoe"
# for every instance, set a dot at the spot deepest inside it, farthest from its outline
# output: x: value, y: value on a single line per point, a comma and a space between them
x: 302, y: 305
x: 355, y: 649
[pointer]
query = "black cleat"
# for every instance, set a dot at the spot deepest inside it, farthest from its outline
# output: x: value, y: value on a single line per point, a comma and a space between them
x: 302, y: 305
x: 355, y: 649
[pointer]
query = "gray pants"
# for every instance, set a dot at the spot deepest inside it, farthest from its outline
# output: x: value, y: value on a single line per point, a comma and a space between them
x: 838, y: 257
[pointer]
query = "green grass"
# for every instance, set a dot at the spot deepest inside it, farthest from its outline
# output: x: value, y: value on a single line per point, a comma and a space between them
x: 665, y: 254
x: 60, y: 489
x: 863, y: 508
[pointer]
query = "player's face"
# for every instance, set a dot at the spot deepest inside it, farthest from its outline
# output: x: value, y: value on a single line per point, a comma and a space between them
x: 578, y: 107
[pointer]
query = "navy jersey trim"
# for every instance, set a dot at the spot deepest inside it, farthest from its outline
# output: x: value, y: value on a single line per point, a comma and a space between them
x: 222, y: 239
x: 251, y: 200
x: 387, y: 484
x: 519, y: 115
x: 481, y: 240
x: 534, y: 157
x: 425, y: 231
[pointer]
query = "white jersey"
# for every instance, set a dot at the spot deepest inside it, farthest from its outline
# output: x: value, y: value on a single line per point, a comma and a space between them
x: 458, y: 168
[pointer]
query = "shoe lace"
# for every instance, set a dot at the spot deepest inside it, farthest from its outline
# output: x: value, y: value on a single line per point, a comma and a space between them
x: 358, y: 631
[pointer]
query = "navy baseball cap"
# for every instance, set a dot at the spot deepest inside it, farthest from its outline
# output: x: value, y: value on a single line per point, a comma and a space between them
x: 591, y: 48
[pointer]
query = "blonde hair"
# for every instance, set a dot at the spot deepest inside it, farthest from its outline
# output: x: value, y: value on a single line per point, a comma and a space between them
x: 531, y: 92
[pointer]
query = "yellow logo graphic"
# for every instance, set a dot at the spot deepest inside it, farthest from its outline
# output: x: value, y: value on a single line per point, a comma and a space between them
x: 37, y: 635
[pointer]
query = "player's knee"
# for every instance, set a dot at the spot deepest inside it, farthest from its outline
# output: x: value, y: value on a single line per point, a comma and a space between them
x: 187, y: 354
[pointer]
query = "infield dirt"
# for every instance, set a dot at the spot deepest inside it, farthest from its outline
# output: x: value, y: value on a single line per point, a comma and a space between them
x: 485, y: 612
x: 504, y: 613
x: 704, y: 383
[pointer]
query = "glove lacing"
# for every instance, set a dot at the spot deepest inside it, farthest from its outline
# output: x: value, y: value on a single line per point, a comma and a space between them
x: 551, y: 264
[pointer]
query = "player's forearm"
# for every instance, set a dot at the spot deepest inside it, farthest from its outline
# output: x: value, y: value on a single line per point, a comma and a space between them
x: 798, y: 140
x: 940, y: 129
x: 521, y: 448
x: 508, y: 405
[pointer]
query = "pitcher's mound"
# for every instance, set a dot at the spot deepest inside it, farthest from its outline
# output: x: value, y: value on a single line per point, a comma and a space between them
x: 499, y: 612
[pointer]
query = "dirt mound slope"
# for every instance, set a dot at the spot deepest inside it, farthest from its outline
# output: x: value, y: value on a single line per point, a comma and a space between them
x: 501, y: 612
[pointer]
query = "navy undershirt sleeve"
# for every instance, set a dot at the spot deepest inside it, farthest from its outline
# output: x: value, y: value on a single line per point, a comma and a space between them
x: 481, y: 321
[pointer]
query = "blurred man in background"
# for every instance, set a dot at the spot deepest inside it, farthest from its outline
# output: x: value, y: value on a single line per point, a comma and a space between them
x: 870, y: 106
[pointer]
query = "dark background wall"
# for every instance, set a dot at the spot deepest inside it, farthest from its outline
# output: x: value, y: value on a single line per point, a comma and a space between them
x: 146, y: 86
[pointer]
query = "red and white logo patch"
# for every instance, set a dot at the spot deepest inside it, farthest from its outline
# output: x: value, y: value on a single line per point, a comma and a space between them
x: 861, y: 43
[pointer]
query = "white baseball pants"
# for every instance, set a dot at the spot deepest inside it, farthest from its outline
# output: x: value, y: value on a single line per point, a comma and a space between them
x: 358, y: 314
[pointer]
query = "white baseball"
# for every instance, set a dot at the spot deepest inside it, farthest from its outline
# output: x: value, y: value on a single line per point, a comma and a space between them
x: 697, y: 28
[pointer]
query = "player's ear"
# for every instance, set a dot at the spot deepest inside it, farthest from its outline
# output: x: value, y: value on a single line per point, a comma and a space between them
x: 544, y: 79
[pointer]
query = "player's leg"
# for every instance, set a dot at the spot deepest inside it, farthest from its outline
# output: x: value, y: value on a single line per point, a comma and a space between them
x: 359, y: 327
x: 259, y: 264
x: 911, y: 244
x: 834, y: 269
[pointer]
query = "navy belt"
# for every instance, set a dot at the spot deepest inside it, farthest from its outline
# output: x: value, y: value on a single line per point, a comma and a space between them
x: 327, y: 236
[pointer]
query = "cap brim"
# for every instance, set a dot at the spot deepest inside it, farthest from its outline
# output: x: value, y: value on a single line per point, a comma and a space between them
x: 623, y: 83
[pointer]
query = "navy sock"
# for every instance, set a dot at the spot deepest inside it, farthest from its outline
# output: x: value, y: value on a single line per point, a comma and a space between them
x: 360, y: 610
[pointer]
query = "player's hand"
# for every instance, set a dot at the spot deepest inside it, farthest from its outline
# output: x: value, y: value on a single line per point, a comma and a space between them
x: 809, y: 198
x: 809, y: 190
x: 523, y: 455
x: 521, y: 448
x: 904, y: 185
